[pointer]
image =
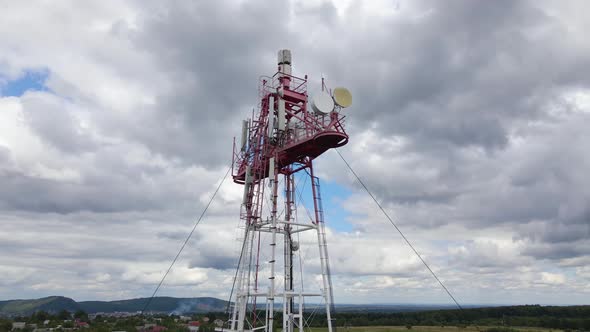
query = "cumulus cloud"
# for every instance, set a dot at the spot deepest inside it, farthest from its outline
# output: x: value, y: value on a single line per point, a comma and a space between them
x: 469, y: 125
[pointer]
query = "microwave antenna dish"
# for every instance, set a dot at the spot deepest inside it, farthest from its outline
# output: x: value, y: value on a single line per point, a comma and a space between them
x: 342, y: 97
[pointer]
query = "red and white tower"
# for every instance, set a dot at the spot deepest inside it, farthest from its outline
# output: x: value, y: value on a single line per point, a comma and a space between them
x: 286, y: 133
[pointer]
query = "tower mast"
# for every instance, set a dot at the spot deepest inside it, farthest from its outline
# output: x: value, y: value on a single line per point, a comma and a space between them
x: 288, y: 131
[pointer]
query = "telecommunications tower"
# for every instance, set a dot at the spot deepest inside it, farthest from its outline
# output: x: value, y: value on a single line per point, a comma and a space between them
x: 278, y: 145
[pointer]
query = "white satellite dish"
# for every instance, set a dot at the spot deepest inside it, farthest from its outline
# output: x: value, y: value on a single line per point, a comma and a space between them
x: 322, y: 103
x: 342, y: 97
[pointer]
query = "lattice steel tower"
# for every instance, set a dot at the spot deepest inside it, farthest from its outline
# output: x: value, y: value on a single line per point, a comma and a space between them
x: 286, y: 133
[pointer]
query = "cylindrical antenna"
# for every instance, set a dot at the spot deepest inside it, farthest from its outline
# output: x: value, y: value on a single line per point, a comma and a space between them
x: 244, y: 134
x: 284, y: 62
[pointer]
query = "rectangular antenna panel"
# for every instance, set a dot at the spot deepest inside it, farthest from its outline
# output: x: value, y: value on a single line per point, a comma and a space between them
x: 281, y: 114
x: 247, y: 183
x: 271, y: 169
x: 271, y: 115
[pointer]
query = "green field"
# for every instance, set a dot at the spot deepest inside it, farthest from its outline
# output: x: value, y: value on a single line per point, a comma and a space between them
x: 427, y: 329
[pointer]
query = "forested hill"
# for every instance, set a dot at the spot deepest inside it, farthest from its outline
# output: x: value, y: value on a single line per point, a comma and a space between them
x: 54, y: 304
x: 48, y: 304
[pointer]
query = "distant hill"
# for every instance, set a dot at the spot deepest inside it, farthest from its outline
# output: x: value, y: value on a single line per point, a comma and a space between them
x: 49, y: 304
x: 54, y: 304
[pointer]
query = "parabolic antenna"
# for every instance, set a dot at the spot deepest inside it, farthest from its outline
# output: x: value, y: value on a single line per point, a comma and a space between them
x: 342, y: 97
x: 322, y: 103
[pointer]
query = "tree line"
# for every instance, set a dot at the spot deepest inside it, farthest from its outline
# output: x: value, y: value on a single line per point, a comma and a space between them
x: 570, y: 317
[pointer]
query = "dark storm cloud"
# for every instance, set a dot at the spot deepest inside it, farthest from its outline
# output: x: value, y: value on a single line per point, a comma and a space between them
x: 451, y: 77
x: 460, y: 75
x: 26, y: 193
x: 454, y: 84
x: 53, y: 120
x: 559, y: 251
x: 83, y: 236
x: 459, y: 86
x: 324, y: 12
x: 214, y: 53
x: 556, y: 231
x: 214, y: 259
x: 5, y: 157
x: 176, y: 235
x: 113, y: 187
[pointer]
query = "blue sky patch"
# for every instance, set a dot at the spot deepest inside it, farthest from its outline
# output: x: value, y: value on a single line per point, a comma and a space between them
x: 333, y: 195
x: 30, y: 80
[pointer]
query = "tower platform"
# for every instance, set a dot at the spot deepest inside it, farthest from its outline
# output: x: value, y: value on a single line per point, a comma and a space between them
x: 298, y: 149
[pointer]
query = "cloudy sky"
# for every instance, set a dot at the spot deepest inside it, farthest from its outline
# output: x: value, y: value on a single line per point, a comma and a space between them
x: 470, y: 123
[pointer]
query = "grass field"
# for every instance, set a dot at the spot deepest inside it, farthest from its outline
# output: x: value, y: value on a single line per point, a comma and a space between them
x: 427, y: 329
